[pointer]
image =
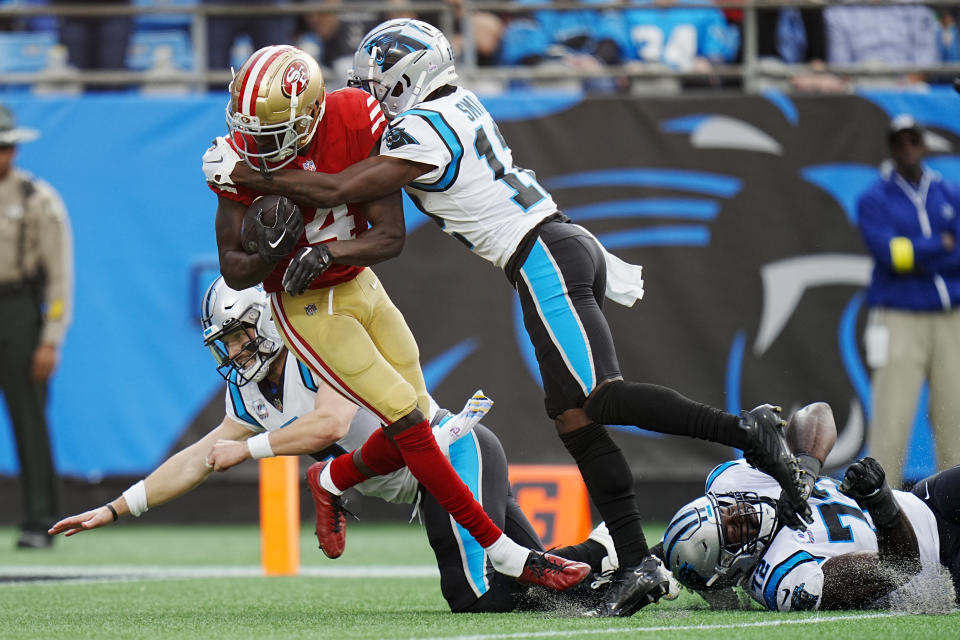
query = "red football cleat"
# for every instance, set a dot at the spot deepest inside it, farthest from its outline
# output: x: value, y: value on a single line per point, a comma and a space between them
x: 331, y: 522
x: 553, y: 572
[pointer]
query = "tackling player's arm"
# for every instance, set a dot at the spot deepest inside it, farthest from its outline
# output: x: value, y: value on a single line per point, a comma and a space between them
x: 174, y: 477
x: 382, y: 241
x: 239, y: 268
x: 328, y: 422
x: 370, y: 179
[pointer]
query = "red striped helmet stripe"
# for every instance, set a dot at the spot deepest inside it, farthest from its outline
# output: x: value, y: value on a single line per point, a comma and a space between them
x: 247, y: 96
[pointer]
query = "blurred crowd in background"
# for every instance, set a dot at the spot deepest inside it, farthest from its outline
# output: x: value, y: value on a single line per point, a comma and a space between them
x: 692, y: 38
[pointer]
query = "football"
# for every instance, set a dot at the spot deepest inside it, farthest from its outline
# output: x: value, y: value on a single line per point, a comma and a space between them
x: 266, y: 209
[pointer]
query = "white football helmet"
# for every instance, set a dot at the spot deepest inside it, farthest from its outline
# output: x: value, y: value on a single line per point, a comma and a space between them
x: 400, y: 62
x: 224, y: 311
x: 695, y: 544
x: 277, y: 99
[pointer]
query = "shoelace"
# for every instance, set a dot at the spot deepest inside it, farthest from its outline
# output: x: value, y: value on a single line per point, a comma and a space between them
x: 602, y: 578
x: 541, y: 564
x: 339, y: 512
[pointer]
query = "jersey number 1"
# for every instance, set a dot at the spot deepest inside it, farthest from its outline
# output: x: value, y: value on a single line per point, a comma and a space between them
x: 526, y: 195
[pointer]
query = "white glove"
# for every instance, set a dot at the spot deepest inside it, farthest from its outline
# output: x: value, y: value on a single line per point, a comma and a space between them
x: 218, y: 163
x: 463, y: 423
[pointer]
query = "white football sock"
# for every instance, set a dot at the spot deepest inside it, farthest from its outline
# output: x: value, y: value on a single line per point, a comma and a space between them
x: 327, y: 482
x: 507, y: 556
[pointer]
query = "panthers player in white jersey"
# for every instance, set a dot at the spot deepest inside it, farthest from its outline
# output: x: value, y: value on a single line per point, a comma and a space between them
x: 275, y: 406
x: 865, y: 542
x: 445, y: 149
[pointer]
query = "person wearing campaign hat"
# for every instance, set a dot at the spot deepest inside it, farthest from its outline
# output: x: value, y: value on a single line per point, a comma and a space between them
x: 908, y: 220
x: 36, y: 301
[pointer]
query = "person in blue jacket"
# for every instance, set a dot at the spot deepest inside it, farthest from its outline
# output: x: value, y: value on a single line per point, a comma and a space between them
x: 908, y: 220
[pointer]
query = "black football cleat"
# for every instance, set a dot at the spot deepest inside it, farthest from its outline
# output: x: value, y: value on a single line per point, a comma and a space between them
x: 633, y: 588
x: 553, y: 572
x: 34, y: 540
x: 767, y: 450
x: 331, y: 519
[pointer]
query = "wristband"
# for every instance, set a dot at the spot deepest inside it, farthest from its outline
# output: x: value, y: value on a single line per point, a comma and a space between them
x: 116, y: 516
x: 809, y: 464
x: 136, y: 497
x: 259, y: 446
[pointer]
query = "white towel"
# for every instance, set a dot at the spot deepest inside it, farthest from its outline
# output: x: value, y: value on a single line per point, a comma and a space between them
x: 624, y: 280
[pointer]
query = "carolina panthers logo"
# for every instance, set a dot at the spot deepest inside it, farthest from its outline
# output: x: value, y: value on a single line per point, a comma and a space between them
x: 801, y: 600
x: 388, y: 48
x: 397, y: 137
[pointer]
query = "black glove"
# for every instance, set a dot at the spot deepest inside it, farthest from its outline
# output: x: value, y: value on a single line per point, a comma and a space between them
x: 277, y: 241
x: 809, y: 471
x: 306, y: 267
x: 866, y: 482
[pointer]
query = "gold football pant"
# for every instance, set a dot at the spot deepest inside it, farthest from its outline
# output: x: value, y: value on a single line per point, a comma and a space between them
x: 354, y: 337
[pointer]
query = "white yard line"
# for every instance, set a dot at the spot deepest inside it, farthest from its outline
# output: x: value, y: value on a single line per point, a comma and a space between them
x: 13, y: 575
x: 566, y: 633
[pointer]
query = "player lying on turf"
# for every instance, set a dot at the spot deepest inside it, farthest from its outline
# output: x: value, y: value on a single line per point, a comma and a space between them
x: 867, y: 545
x: 269, y: 389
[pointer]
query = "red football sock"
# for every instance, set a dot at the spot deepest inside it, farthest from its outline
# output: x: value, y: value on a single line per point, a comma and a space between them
x: 379, y: 454
x: 428, y: 465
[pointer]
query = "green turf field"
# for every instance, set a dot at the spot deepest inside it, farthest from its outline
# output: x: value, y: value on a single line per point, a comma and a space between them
x: 142, y: 581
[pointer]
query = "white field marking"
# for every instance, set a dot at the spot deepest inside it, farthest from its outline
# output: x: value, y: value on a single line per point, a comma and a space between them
x: 689, y: 627
x: 12, y: 575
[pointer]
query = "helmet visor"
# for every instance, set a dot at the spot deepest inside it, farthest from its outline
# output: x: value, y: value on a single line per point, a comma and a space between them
x: 747, y: 525
x: 243, y: 366
x: 268, y: 147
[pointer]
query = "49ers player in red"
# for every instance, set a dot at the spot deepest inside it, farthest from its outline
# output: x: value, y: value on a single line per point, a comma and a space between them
x: 331, y: 311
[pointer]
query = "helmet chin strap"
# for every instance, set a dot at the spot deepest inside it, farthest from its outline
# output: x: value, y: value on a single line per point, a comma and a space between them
x: 265, y: 362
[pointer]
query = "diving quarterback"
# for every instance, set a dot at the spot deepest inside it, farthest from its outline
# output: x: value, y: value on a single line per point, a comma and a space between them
x: 444, y: 147
x: 275, y: 406
x: 342, y: 324
x: 866, y: 543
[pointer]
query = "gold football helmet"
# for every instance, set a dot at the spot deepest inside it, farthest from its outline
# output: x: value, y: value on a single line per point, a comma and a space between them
x: 277, y: 99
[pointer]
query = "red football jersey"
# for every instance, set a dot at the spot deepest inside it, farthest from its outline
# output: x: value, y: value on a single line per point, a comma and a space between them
x: 349, y: 129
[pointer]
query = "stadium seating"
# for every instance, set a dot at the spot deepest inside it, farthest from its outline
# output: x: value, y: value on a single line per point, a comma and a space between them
x: 25, y: 51
x: 144, y: 45
x: 163, y: 21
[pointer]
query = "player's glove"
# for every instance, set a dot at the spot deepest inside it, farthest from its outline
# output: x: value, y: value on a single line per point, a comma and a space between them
x: 462, y: 423
x: 809, y: 471
x: 218, y: 163
x: 275, y: 242
x: 306, y: 267
x: 866, y: 482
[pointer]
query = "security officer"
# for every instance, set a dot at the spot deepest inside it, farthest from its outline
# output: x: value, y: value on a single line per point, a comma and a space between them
x: 36, y: 296
x: 909, y: 223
